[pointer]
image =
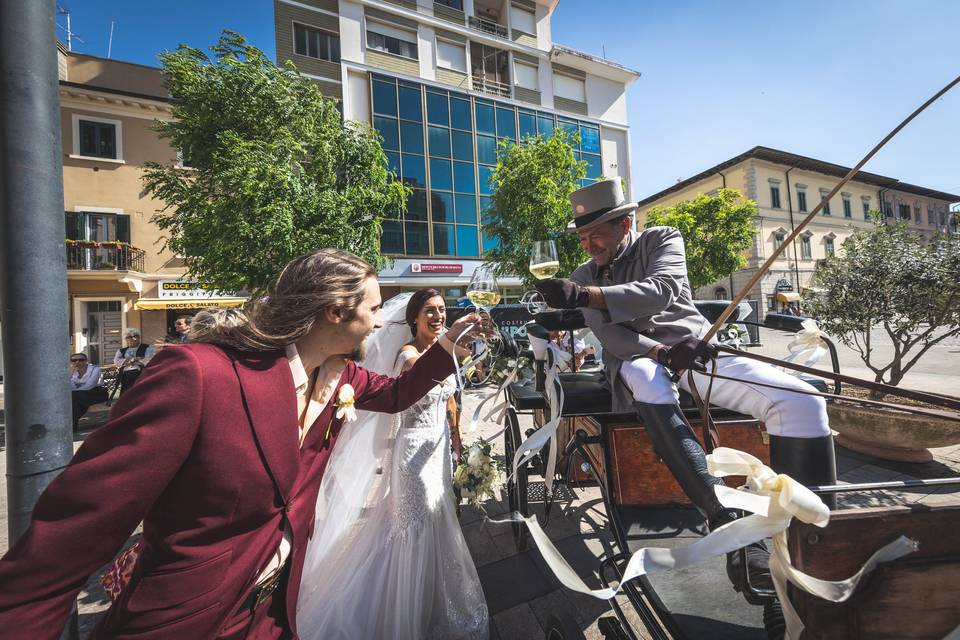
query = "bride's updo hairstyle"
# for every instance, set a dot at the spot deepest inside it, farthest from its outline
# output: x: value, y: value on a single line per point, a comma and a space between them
x: 415, y: 304
x: 304, y: 289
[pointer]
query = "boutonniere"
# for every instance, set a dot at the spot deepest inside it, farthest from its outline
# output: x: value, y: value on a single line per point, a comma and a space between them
x: 344, y: 404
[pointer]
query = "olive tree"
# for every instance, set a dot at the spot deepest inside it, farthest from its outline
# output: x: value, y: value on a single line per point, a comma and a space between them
x: 888, y: 281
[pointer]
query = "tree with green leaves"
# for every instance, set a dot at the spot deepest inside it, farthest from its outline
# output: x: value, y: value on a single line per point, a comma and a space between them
x: 716, y: 230
x: 273, y: 171
x: 532, y: 184
x: 889, y: 285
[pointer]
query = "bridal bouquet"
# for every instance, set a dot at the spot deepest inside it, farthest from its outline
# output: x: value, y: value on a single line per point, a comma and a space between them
x: 477, y: 473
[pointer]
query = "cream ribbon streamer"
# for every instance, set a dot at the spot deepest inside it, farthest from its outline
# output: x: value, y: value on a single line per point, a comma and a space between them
x: 807, y: 346
x: 548, y: 432
x: 774, y: 500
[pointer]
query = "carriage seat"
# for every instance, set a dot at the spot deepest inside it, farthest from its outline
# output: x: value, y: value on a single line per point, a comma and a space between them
x: 585, y: 394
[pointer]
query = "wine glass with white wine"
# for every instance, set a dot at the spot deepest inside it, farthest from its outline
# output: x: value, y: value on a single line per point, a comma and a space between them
x: 483, y: 290
x: 543, y: 264
x: 543, y: 259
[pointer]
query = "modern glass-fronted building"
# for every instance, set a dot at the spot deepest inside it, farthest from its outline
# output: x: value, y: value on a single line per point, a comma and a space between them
x: 445, y: 83
x: 443, y: 144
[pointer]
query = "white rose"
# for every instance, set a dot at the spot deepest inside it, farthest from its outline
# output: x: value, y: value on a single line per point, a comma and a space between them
x: 475, y: 456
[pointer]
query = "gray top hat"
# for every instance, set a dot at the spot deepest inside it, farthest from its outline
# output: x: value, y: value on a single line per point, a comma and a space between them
x: 600, y: 202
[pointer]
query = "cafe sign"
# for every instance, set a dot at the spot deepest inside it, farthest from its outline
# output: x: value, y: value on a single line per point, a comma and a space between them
x: 177, y: 289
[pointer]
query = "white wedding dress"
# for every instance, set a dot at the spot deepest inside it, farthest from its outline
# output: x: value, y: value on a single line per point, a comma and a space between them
x: 388, y: 559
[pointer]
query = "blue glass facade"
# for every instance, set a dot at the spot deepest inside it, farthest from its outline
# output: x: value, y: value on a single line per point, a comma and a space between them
x: 443, y: 145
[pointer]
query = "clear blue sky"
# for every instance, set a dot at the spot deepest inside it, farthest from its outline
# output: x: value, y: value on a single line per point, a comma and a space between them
x: 826, y: 79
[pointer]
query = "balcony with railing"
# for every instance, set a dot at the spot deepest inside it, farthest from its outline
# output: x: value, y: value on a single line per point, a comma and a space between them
x: 84, y: 255
x: 491, y: 87
x: 488, y: 26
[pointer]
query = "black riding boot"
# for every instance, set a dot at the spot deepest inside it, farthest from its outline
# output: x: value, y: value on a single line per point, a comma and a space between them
x: 809, y: 461
x: 675, y: 443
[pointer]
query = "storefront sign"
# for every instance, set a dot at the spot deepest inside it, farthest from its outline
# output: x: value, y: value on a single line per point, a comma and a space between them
x: 438, y: 267
x: 168, y: 289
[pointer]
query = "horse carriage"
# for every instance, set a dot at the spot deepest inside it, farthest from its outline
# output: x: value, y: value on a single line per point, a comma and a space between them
x: 646, y: 507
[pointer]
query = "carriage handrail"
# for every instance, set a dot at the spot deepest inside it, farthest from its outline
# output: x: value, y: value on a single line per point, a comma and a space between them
x: 889, y: 484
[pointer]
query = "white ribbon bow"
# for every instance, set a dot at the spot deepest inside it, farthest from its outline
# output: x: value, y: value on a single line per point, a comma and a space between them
x: 774, y: 500
x: 807, y: 346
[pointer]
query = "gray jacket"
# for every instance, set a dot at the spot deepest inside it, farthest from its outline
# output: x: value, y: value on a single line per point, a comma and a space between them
x: 648, y: 302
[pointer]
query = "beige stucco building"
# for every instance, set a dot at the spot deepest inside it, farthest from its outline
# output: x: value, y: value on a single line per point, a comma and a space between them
x: 786, y: 187
x: 118, y: 273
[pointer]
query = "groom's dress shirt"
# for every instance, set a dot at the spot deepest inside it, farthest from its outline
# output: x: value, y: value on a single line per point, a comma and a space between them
x: 310, y: 403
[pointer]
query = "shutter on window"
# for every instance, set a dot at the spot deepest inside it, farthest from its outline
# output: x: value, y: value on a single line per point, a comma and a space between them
x: 123, y: 228
x: 73, y: 221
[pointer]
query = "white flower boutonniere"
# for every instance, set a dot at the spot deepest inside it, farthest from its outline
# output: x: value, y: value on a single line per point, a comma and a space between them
x: 344, y: 404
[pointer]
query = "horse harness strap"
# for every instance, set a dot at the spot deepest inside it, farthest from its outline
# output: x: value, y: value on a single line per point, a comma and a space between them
x: 920, y: 396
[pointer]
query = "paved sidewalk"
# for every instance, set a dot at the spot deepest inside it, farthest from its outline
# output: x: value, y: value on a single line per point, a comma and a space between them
x: 521, y: 591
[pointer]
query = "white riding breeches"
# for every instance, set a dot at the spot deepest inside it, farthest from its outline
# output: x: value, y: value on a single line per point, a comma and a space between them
x: 784, y: 412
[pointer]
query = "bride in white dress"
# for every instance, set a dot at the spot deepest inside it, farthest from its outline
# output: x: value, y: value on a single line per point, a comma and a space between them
x: 387, y: 558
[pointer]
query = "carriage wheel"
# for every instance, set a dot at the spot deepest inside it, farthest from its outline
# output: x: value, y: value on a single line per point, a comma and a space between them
x: 517, y: 486
x: 563, y: 627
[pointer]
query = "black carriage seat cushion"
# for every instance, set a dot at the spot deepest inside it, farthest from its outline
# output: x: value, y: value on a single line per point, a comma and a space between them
x: 584, y: 394
x: 561, y: 319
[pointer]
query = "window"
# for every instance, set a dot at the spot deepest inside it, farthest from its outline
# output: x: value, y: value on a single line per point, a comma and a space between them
x: 866, y: 210
x: 774, y: 196
x: 931, y: 216
x: 315, y: 44
x: 451, y: 55
x: 828, y: 247
x: 847, y: 210
x: 771, y: 303
x: 381, y: 37
x: 719, y: 293
x: 523, y: 20
x: 97, y: 138
x: 888, y: 210
x: 802, y: 200
x: 805, y: 251
x: 916, y: 215
x: 569, y: 87
x: 453, y: 4
x: 904, y: 210
x: 525, y: 75
x: 826, y: 205
x: 778, y: 239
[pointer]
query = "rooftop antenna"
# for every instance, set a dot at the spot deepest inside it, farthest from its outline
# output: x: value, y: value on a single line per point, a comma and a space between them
x: 110, y: 42
x: 602, y: 46
x: 64, y: 11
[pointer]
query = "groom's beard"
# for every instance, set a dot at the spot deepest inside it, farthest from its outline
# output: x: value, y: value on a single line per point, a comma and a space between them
x: 359, y: 353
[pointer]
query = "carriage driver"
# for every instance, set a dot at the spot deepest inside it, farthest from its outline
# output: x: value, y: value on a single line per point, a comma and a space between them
x: 636, y: 298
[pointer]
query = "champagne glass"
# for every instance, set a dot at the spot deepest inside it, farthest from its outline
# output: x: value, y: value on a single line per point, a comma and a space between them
x: 483, y: 290
x: 544, y: 262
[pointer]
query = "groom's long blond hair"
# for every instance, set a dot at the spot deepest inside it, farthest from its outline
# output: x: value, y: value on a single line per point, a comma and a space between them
x: 306, y: 287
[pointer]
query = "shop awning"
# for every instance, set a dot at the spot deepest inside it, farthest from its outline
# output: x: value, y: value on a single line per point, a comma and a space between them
x: 153, y: 304
x: 788, y: 296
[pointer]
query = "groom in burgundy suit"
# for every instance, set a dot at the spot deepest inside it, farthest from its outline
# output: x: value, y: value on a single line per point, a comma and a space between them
x: 219, y: 450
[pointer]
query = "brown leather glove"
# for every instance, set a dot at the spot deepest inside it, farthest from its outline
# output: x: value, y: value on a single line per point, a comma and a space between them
x: 560, y: 293
x: 689, y: 353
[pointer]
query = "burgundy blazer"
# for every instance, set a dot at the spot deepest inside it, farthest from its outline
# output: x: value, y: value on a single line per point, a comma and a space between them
x: 204, y: 450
